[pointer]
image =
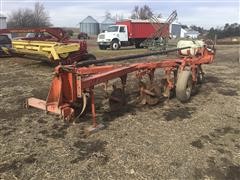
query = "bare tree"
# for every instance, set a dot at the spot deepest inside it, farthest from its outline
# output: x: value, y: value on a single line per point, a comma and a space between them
x: 29, y: 18
x: 135, y: 13
x: 41, y: 18
x: 108, y: 15
x: 144, y: 12
x: 20, y: 18
x: 159, y: 15
x: 120, y: 17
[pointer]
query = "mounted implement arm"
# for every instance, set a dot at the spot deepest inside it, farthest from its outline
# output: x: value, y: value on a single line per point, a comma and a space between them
x: 159, y: 38
x: 58, y: 34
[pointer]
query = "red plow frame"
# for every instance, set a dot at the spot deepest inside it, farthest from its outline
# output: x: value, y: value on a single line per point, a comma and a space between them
x: 67, y: 94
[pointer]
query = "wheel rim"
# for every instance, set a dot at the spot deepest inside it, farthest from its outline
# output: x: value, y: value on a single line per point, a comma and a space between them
x: 115, y: 45
x: 200, y: 77
x: 189, y: 88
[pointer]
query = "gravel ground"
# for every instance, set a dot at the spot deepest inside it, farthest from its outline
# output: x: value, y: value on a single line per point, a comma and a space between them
x: 196, y: 140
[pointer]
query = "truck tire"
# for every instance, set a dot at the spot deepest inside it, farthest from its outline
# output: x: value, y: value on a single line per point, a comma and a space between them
x: 102, y: 47
x: 138, y: 45
x: 184, y: 86
x: 115, y: 45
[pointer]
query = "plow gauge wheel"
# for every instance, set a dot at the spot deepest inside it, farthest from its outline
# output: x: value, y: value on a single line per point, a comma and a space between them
x: 184, y: 86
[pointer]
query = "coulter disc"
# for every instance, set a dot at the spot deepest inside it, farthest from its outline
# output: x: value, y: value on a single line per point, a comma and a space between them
x: 153, y: 92
x: 117, y: 99
x: 149, y: 94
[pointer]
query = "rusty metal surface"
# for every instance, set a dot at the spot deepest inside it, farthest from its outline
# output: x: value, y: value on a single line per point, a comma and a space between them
x: 70, y: 82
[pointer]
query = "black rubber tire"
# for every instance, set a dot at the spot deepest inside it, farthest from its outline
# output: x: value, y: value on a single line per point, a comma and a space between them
x: 184, y: 86
x: 102, y: 47
x: 200, y: 76
x: 137, y: 45
x: 115, y: 45
x: 194, y: 89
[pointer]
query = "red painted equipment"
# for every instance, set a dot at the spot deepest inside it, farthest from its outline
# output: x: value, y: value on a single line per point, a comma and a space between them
x: 56, y: 34
x: 159, y: 38
x: 142, y: 29
x: 72, y: 84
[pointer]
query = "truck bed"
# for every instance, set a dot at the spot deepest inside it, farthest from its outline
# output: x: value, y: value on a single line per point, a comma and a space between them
x: 142, y: 29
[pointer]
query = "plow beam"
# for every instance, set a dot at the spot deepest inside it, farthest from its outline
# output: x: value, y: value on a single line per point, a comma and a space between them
x: 71, y: 83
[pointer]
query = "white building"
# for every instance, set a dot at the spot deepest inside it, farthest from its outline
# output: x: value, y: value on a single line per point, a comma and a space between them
x: 192, y: 34
x: 180, y: 31
x: 176, y: 30
x: 3, y: 22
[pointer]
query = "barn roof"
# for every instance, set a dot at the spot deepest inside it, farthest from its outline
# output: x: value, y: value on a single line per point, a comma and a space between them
x: 2, y: 16
x: 108, y: 21
x: 190, y: 31
x: 89, y: 19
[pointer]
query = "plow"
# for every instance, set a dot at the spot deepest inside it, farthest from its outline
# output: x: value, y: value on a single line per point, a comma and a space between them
x: 72, y: 87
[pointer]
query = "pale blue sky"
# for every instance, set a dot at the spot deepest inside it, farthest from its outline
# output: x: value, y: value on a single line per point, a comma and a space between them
x: 206, y: 13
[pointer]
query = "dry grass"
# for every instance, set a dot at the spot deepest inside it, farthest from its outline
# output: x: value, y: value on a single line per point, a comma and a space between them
x: 195, y: 140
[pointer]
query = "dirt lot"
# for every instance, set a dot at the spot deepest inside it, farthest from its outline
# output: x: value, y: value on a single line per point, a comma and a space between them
x: 195, y: 140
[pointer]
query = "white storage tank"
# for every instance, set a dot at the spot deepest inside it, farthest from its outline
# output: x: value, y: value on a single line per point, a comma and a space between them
x: 3, y: 22
x: 194, y: 45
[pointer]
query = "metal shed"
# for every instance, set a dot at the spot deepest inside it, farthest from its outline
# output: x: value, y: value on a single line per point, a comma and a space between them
x: 106, y: 23
x: 175, y: 30
x: 90, y: 26
x: 192, y: 34
x: 3, y: 22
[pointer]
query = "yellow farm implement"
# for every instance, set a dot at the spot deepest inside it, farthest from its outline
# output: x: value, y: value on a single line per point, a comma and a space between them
x: 55, y: 45
x: 51, y: 50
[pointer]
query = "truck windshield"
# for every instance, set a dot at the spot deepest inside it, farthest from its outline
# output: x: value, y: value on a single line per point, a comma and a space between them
x: 112, y: 29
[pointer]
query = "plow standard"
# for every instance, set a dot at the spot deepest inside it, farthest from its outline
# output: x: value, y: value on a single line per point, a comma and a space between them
x: 73, y: 85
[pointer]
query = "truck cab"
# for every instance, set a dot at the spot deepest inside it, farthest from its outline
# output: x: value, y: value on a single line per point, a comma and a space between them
x: 114, y: 37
